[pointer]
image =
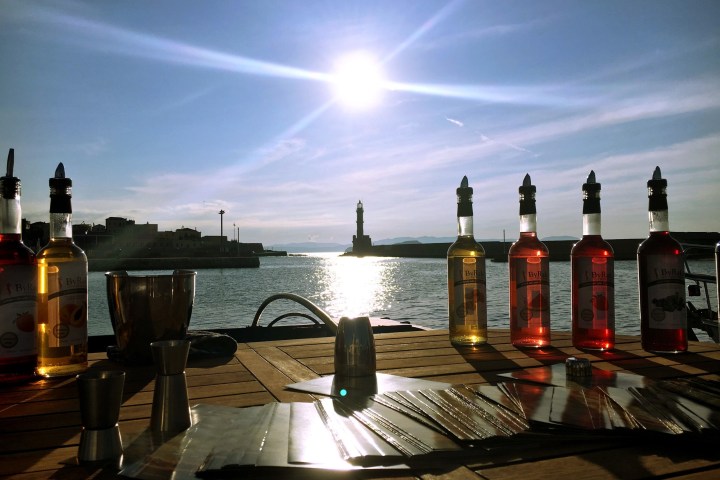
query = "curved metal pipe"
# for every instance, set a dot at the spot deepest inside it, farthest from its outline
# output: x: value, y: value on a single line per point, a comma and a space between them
x: 319, y: 312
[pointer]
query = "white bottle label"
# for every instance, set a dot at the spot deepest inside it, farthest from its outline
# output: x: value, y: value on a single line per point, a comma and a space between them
x: 470, y: 306
x: 18, y: 310
x: 666, y: 292
x: 67, y: 304
x: 532, y: 276
x: 595, y: 293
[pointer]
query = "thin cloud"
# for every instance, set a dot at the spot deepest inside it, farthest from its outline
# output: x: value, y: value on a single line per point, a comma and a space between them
x: 455, y: 122
x: 480, y: 33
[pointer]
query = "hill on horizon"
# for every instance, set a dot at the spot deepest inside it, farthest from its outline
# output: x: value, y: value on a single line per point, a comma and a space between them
x: 302, y: 247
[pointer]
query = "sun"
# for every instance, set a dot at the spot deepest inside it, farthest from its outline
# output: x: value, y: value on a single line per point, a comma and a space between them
x: 358, y: 81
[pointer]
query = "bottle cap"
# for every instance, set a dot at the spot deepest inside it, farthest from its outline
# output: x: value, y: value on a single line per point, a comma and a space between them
x: 60, y: 191
x: 10, y: 185
x: 657, y: 194
x: 464, y: 198
x: 591, y: 197
x: 527, y: 196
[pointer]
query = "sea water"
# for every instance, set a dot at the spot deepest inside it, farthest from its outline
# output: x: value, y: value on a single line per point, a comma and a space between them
x: 402, y: 289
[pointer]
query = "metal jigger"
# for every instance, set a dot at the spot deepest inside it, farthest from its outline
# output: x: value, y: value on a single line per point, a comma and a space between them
x: 100, y: 394
x: 170, y: 408
x: 354, y: 348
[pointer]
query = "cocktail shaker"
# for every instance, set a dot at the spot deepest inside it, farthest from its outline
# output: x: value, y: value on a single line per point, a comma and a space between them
x: 100, y: 395
x: 170, y: 408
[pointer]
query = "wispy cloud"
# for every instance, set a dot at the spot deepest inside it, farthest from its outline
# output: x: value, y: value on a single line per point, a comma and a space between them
x: 455, y: 122
x: 94, y: 35
x: 94, y: 148
x: 482, y: 32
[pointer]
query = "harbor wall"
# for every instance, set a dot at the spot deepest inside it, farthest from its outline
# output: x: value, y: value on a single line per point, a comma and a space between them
x: 624, y: 248
x: 171, y: 263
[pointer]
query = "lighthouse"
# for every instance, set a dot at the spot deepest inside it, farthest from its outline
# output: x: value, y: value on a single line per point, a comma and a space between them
x: 361, y: 242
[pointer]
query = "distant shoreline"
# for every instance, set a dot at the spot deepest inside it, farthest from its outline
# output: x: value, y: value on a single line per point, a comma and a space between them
x: 171, y: 263
x: 624, y: 249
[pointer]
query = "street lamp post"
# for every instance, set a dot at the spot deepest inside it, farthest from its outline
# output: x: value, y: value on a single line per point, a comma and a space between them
x: 221, y: 212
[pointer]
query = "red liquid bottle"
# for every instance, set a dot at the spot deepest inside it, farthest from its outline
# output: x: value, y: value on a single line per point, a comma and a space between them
x: 592, y: 279
x: 661, y: 278
x: 529, y: 266
x: 18, y: 287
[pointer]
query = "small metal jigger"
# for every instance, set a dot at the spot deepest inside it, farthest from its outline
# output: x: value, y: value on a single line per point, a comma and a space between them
x: 100, y: 394
x: 354, y: 348
x: 170, y: 408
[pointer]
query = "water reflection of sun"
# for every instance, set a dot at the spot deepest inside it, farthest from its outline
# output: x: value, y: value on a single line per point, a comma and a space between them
x: 353, y: 287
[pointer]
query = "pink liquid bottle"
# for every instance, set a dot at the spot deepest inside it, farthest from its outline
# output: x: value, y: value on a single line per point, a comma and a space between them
x: 592, y: 279
x: 18, y: 287
x: 661, y: 278
x: 529, y: 266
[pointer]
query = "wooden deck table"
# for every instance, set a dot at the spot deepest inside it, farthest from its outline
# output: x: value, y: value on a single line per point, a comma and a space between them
x: 40, y: 422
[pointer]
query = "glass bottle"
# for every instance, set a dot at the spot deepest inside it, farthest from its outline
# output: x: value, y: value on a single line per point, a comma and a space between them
x: 467, y: 302
x: 18, y: 287
x: 529, y: 266
x: 661, y: 278
x: 62, y: 290
x: 717, y: 273
x: 592, y: 289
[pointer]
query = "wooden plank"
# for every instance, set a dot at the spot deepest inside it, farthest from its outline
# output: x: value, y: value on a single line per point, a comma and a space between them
x: 270, y: 377
x: 294, y: 369
x: 456, y: 473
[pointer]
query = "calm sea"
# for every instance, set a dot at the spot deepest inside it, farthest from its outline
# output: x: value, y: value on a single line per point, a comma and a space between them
x: 410, y: 289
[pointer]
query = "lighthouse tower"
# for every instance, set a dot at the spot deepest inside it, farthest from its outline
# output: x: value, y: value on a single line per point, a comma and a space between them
x: 361, y: 242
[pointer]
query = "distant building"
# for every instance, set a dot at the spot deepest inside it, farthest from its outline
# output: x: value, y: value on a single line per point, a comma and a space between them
x: 121, y: 237
x: 186, y: 239
x: 361, y: 242
x: 218, y: 242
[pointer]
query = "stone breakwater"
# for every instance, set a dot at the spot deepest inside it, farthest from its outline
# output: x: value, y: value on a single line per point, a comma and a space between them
x: 171, y: 263
x: 624, y: 248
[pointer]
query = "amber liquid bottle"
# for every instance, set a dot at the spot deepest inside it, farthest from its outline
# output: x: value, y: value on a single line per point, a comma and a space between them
x: 18, y: 295
x: 529, y: 266
x: 467, y: 304
x: 62, y: 290
x: 661, y: 278
x: 592, y: 288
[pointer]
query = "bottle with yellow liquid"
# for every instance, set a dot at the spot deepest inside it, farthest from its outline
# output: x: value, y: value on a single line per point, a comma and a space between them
x: 62, y: 290
x: 467, y: 304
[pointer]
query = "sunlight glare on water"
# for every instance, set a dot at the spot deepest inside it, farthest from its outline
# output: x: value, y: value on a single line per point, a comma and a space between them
x: 353, y: 287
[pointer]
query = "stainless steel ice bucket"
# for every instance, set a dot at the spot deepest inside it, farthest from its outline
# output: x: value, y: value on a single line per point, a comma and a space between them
x: 149, y: 308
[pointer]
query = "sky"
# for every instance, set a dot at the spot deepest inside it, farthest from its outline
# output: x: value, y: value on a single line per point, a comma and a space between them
x: 284, y: 114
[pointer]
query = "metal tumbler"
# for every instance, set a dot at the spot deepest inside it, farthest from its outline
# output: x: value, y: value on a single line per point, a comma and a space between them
x: 354, y: 348
x: 100, y: 395
x: 170, y: 408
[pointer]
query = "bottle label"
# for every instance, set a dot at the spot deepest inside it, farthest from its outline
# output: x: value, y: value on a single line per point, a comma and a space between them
x: 666, y: 292
x: 67, y: 304
x: 469, y: 288
x: 595, y: 293
x: 532, y: 277
x: 18, y: 310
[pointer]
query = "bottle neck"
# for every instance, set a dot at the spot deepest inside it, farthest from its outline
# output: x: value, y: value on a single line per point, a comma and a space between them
x: 11, y: 215
x: 591, y: 224
x: 60, y: 226
x: 659, y: 221
x: 528, y: 222
x: 465, y: 226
